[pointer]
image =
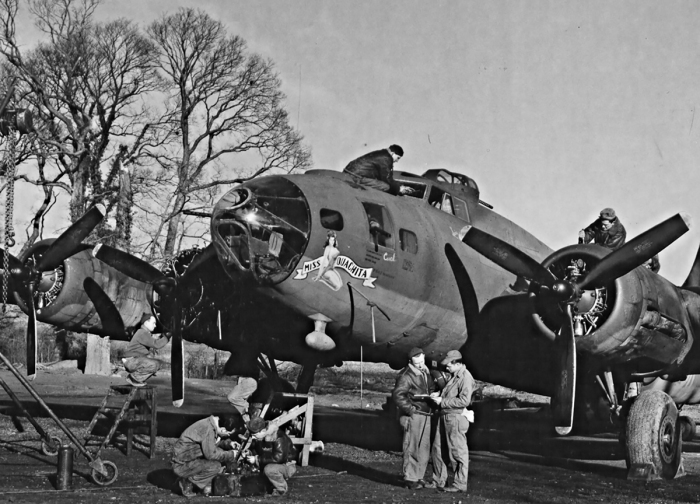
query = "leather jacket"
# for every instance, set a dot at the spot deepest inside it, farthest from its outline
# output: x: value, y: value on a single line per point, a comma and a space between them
x: 613, y: 238
x: 377, y: 165
x: 410, y: 382
x: 280, y: 450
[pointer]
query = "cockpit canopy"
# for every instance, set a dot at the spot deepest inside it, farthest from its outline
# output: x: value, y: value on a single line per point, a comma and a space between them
x: 448, y: 177
x: 262, y: 226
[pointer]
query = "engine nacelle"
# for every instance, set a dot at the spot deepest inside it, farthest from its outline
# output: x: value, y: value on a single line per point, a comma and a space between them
x: 637, y: 317
x: 61, y: 298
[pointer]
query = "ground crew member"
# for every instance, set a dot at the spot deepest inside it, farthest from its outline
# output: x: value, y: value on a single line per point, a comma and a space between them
x: 376, y: 168
x: 196, y: 457
x: 414, y: 417
x: 606, y: 230
x: 276, y: 455
x: 453, y: 425
x: 238, y: 398
x: 136, y: 358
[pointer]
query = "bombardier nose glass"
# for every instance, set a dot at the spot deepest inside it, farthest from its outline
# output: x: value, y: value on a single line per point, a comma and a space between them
x: 262, y: 227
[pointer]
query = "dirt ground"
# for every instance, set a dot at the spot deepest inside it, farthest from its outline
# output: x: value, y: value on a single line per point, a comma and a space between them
x: 514, y: 459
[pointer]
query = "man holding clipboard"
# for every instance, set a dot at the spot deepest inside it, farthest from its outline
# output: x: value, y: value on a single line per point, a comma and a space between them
x: 413, y: 387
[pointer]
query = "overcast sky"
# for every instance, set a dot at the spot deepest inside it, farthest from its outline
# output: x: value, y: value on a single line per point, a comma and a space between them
x: 557, y: 109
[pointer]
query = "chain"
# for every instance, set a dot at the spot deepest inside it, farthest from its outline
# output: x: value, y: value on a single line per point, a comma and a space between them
x: 9, y: 163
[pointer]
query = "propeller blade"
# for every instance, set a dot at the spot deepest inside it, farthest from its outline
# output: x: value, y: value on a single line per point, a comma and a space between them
x: 127, y: 264
x: 637, y: 251
x: 177, y: 358
x: 507, y: 256
x: 563, y: 400
x: 31, y: 334
x: 66, y: 244
x: 109, y: 314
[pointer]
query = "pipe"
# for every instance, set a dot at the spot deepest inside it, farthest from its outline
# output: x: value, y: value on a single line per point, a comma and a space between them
x: 24, y: 411
x: 53, y: 416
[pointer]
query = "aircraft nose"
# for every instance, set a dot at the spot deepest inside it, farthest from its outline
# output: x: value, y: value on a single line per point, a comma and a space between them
x: 261, y: 227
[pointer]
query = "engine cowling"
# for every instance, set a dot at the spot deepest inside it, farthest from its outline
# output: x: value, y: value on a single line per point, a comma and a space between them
x: 61, y: 297
x: 638, y: 317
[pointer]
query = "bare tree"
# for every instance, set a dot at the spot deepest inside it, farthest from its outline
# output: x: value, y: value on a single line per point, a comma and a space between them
x: 226, y: 116
x: 86, y: 84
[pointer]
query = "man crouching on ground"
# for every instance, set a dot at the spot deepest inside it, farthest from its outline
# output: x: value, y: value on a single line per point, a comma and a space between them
x: 276, y: 454
x: 413, y: 382
x: 196, y: 456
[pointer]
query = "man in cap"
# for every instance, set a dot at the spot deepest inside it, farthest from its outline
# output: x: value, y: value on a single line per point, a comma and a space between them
x: 453, y: 424
x: 375, y: 169
x: 276, y: 455
x: 606, y: 230
x: 197, y: 457
x: 137, y: 357
x: 413, y: 386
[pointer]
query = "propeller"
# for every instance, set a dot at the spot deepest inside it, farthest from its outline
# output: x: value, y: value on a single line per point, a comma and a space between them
x: 26, y: 276
x: 563, y: 400
x: 637, y: 251
x: 616, y: 264
x: 172, y: 290
x: 507, y: 256
x: 105, y: 308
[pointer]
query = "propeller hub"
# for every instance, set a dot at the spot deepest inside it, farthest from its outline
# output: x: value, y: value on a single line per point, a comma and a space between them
x: 165, y: 286
x: 563, y: 290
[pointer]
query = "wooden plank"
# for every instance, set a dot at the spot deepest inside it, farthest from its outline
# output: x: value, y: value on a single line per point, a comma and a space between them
x: 308, y: 424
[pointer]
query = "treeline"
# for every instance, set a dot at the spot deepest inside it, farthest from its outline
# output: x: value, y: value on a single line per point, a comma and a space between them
x: 149, y: 121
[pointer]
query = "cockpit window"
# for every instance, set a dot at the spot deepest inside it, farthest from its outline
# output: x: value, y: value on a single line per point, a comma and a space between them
x: 461, y: 209
x: 441, y: 200
x: 331, y: 219
x: 409, y: 241
x: 381, y: 229
x: 418, y: 189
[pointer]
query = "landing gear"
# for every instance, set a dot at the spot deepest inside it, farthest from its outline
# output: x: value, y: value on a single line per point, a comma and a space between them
x: 653, y: 437
x: 688, y: 427
x: 306, y: 378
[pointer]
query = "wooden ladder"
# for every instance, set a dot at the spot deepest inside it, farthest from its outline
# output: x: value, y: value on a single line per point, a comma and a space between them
x: 137, y: 410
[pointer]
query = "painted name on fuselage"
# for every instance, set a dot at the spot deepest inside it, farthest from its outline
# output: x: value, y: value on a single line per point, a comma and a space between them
x: 343, y: 262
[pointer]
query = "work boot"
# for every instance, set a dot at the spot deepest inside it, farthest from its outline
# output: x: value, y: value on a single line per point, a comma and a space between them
x: 452, y: 489
x: 276, y: 493
x: 186, y: 488
x: 413, y: 485
x: 428, y: 484
x: 206, y: 491
x: 133, y: 382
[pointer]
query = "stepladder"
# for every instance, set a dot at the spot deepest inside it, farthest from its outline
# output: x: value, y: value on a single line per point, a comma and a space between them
x: 134, y: 408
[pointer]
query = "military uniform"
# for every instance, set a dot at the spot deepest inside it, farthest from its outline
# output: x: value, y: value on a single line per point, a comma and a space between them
x: 375, y: 170
x: 452, y: 430
x: 612, y: 238
x: 277, y: 459
x: 414, y: 418
x: 196, y: 456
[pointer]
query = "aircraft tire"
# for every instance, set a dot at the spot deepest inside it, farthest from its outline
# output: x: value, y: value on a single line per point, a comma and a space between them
x: 653, y: 433
x: 688, y: 426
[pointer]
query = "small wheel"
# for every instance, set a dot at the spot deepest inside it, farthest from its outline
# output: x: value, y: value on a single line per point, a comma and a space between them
x: 50, y: 449
x: 688, y: 427
x: 109, y: 478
